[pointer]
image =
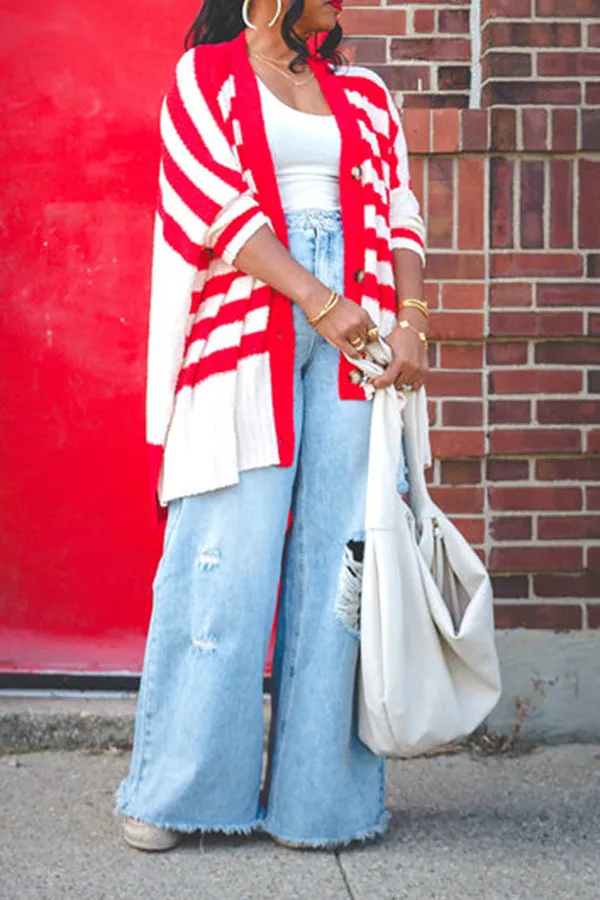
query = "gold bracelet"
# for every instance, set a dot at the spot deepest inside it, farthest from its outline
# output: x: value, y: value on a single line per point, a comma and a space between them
x: 422, y: 336
x: 416, y: 304
x: 334, y: 298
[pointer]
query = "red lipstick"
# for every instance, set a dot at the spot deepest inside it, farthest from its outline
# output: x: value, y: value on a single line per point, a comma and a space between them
x: 337, y: 4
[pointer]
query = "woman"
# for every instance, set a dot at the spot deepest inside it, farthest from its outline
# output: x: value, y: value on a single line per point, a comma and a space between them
x: 287, y: 238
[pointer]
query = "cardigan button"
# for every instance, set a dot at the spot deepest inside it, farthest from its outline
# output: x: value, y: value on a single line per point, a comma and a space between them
x: 359, y: 276
x: 356, y: 172
x: 355, y: 376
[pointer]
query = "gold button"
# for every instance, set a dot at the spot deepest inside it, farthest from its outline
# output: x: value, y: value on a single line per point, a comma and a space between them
x: 357, y: 172
x: 359, y: 276
x: 355, y: 376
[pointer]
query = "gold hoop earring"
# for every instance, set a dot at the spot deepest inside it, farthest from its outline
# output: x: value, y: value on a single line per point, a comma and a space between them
x: 246, y: 15
x: 277, y: 14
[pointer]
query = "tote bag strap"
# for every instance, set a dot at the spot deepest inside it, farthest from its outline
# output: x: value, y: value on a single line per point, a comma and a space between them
x: 385, y: 441
x: 417, y: 453
x: 413, y: 432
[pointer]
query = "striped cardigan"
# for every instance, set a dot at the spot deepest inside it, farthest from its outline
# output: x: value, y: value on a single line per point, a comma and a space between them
x: 221, y: 344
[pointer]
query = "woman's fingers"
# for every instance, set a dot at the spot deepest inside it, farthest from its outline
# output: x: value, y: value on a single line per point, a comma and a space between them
x: 401, y: 385
x: 357, y: 343
x: 347, y: 348
x: 347, y: 327
x: 394, y: 371
x: 409, y: 365
x: 402, y: 370
x: 358, y: 334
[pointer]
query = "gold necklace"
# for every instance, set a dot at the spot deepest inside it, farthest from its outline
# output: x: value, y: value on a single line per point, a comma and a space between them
x: 278, y: 68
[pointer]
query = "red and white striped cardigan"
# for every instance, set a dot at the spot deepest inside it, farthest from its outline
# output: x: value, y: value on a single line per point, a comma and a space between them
x: 221, y: 346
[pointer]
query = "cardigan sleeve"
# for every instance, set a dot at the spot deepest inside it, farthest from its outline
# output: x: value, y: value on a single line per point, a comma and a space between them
x: 408, y: 228
x: 205, y: 206
x: 202, y: 189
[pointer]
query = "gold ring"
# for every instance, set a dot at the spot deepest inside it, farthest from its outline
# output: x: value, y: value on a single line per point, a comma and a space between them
x: 373, y: 334
x: 358, y: 344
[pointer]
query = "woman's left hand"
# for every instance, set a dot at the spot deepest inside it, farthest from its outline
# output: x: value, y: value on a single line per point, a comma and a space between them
x: 409, y: 365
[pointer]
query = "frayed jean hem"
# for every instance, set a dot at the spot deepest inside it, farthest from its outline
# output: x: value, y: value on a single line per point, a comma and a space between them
x: 257, y: 825
x: 332, y: 843
x: 124, y: 809
x: 189, y: 828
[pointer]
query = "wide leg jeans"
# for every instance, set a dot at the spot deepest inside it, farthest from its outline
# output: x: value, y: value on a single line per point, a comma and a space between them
x: 198, y: 748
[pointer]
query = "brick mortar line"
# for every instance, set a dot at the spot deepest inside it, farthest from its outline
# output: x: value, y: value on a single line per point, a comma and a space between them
x: 533, y: 251
x: 455, y: 202
x: 577, y: 395
x: 532, y: 458
x: 555, y: 51
x: 543, y: 80
x: 488, y: 542
x: 426, y: 35
x: 546, y: 543
x: 536, y: 600
x: 533, y: 339
x: 512, y: 49
x: 530, y: 279
x: 476, y: 82
x: 540, y: 309
x: 531, y: 426
x: 575, y: 174
x: 516, y: 198
x: 519, y: 128
x: 517, y: 156
x: 536, y: 513
x: 538, y: 20
x: 426, y: 177
x: 557, y: 571
x: 575, y: 185
x: 547, y: 194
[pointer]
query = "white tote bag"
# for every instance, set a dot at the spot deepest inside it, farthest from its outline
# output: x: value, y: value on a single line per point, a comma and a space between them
x: 428, y: 665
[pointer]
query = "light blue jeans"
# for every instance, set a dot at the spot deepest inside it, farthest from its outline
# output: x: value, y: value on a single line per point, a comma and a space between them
x: 198, y: 746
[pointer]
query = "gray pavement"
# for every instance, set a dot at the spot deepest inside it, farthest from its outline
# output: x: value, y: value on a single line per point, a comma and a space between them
x: 524, y: 828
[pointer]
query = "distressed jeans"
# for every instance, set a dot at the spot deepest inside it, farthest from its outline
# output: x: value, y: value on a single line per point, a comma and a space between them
x: 198, y: 749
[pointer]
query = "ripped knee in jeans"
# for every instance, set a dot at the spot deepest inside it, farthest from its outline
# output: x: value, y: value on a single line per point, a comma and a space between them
x: 205, y: 643
x: 347, y: 601
x: 208, y: 558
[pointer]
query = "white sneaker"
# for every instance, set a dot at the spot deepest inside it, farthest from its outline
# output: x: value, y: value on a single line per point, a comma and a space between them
x: 144, y: 836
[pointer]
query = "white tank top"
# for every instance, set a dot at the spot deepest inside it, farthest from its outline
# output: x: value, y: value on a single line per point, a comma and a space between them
x: 306, y: 151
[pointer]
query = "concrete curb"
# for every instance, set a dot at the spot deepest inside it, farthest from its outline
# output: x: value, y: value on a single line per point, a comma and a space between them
x: 550, y: 691
x: 50, y: 723
x: 30, y: 724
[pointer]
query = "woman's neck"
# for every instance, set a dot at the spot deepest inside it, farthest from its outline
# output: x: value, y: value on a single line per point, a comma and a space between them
x: 268, y: 42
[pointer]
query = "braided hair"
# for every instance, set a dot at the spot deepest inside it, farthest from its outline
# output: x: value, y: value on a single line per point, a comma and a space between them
x: 221, y: 20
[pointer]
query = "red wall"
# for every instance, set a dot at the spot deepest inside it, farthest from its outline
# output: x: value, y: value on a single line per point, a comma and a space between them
x: 81, y: 85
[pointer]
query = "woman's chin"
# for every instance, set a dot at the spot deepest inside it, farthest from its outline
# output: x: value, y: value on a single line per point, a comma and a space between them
x: 327, y: 20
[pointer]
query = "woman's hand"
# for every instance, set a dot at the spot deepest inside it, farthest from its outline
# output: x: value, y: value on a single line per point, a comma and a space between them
x: 346, y: 326
x: 409, y: 365
x: 265, y: 257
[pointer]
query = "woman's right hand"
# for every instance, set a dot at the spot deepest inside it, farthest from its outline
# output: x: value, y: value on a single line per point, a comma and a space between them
x: 346, y: 323
x: 264, y: 256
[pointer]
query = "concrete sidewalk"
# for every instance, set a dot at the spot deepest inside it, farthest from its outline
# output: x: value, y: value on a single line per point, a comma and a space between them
x: 524, y: 828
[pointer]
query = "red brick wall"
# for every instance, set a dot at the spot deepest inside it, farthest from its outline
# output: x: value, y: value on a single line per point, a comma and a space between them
x: 511, y: 195
x: 541, y: 51
x: 422, y: 48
